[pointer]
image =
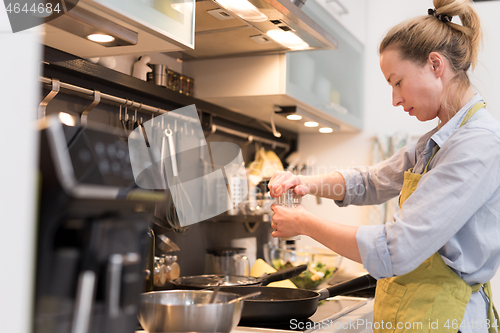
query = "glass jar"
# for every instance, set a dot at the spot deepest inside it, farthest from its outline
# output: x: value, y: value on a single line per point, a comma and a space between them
x: 289, y: 199
x: 173, y: 80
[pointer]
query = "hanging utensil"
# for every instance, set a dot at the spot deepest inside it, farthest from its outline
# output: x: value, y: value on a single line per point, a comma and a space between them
x: 216, y: 290
x: 179, y: 207
x: 257, y: 293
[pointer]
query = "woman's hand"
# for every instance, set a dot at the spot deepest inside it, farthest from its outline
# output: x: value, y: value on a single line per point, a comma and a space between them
x: 290, y: 222
x: 283, y: 180
x: 287, y: 221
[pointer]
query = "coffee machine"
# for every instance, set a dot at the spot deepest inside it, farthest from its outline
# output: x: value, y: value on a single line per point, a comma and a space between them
x: 93, y: 232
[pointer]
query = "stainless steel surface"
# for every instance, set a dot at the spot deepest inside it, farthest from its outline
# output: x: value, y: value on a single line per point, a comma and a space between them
x: 246, y: 136
x: 114, y: 100
x: 158, y: 75
x: 223, y: 37
x: 165, y: 244
x: 216, y: 291
x: 54, y: 90
x: 83, y: 303
x: 115, y: 267
x: 188, y: 311
x: 85, y: 113
x: 206, y: 281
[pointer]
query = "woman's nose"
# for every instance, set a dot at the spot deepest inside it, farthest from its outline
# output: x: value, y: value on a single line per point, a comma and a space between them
x: 396, y: 99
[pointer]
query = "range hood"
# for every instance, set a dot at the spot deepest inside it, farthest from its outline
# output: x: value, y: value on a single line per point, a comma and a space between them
x: 219, y: 32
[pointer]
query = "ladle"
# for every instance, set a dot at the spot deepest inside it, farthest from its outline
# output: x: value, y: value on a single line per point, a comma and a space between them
x: 257, y: 293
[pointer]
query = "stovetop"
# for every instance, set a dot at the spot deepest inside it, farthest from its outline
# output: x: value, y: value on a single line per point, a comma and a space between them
x: 328, y: 311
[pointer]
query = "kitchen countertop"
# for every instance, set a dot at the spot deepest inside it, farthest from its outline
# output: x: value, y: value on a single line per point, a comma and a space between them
x: 356, y: 321
x: 352, y: 322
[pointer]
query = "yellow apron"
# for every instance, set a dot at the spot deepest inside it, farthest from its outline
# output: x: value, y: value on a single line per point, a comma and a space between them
x: 432, y: 298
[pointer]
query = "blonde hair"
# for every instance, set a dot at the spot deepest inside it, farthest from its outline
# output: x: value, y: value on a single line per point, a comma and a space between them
x: 416, y: 38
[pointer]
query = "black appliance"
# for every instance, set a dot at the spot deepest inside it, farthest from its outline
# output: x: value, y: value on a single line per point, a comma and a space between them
x: 93, y: 232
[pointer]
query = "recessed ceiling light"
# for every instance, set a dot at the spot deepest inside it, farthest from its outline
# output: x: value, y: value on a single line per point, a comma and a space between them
x: 100, y: 38
x: 325, y: 130
x: 294, y: 117
x: 311, y: 124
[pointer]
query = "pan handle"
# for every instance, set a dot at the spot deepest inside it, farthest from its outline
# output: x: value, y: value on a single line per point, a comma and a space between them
x: 363, y: 282
x: 282, y: 274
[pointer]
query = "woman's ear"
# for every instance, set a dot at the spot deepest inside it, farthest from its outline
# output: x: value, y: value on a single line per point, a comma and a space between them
x: 436, y: 63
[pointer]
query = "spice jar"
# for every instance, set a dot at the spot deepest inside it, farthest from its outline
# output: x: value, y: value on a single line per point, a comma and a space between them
x: 173, y: 80
x: 190, y: 86
x: 183, y: 84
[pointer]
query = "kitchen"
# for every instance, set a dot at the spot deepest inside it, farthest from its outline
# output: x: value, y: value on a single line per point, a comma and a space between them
x: 21, y: 64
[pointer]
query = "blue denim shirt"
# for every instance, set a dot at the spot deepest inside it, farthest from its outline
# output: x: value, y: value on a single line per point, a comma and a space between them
x: 455, y: 209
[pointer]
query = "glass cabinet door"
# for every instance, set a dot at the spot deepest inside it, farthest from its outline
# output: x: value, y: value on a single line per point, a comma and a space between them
x: 171, y: 18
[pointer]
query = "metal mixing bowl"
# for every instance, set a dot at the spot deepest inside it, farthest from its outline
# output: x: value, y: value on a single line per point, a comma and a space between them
x: 188, y: 311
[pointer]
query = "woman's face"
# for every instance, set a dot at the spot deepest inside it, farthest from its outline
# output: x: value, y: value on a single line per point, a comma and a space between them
x: 416, y: 88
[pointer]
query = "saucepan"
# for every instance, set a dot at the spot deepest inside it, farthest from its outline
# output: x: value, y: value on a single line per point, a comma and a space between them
x: 212, y: 280
x: 190, y: 311
x: 280, y: 305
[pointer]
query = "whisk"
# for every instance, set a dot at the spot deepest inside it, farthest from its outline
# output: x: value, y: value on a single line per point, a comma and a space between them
x: 179, y: 209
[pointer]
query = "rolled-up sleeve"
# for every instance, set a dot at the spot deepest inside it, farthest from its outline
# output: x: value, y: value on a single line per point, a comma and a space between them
x: 376, y: 184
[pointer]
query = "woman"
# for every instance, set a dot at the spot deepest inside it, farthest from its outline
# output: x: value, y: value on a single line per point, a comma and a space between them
x: 434, y: 260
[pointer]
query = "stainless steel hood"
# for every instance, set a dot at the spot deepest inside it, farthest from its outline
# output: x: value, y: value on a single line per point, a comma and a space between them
x: 221, y: 33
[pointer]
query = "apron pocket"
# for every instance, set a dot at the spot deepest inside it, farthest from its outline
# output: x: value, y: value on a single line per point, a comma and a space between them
x: 388, y: 297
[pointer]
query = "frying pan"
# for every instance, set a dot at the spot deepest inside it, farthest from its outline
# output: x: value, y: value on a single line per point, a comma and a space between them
x: 279, y: 305
x: 208, y: 281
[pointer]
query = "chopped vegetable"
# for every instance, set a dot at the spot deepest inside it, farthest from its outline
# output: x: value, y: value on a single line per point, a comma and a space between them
x: 313, y: 276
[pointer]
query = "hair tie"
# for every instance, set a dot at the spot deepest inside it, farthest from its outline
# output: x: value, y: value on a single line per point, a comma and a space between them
x: 442, y: 17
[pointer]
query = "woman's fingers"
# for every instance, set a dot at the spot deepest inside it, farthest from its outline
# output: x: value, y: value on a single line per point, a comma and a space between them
x: 301, y: 190
x: 282, y: 181
x: 276, y: 183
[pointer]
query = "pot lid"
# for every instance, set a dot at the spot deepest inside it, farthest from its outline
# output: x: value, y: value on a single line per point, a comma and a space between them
x: 205, y: 281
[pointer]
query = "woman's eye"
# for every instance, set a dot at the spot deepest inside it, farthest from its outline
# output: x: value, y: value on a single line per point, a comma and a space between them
x: 398, y: 84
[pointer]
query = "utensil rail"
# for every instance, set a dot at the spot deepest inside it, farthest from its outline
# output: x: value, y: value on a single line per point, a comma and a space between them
x: 110, y: 99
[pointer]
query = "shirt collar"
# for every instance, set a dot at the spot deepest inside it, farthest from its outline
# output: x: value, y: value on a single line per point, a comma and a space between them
x: 453, y: 124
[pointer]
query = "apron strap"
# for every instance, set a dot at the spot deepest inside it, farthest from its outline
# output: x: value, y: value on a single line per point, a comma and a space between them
x: 492, y: 311
x: 469, y: 114
x: 492, y: 314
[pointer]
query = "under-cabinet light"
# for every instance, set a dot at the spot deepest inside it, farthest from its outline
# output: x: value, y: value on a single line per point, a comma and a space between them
x: 66, y: 119
x: 243, y: 9
x: 294, y: 117
x: 288, y: 39
x: 326, y: 130
x: 100, y: 38
x: 311, y: 124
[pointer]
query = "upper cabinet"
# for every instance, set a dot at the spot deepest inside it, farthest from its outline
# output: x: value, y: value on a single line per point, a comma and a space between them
x: 173, y: 19
x: 136, y: 27
x: 325, y: 86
